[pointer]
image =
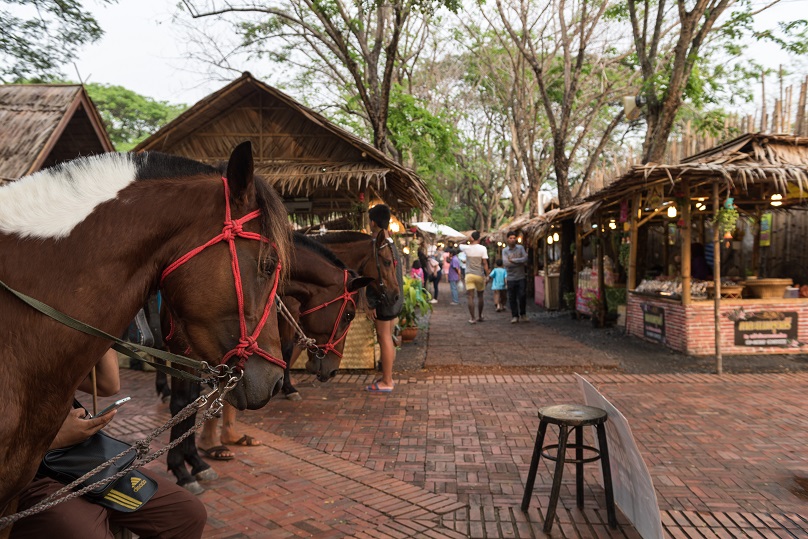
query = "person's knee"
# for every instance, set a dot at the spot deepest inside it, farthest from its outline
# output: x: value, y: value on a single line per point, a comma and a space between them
x: 192, y: 512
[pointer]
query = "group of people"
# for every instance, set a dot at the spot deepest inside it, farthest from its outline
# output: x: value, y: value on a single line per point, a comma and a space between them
x: 507, y: 278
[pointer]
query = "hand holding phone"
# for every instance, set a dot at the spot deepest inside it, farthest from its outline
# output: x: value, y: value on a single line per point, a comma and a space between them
x: 114, y: 406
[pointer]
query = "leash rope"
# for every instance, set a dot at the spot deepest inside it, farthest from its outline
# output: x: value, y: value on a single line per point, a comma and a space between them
x: 303, y: 341
x: 141, y: 446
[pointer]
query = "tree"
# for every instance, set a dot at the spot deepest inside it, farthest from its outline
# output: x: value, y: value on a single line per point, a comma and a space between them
x: 129, y: 116
x: 674, y: 38
x: 40, y: 36
x: 579, y: 75
x: 356, y: 46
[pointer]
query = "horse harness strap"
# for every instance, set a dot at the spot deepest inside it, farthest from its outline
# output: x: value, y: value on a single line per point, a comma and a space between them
x: 247, y: 344
x: 346, y: 297
x: 119, y: 345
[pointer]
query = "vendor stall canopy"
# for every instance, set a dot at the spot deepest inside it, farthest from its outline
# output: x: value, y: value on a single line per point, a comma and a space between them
x: 318, y: 168
x: 755, y: 169
x: 45, y: 124
x: 444, y: 231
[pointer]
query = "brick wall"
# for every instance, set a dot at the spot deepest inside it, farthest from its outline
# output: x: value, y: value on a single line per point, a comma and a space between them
x: 691, y: 329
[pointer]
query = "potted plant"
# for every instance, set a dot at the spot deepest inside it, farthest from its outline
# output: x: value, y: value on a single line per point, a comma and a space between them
x: 415, y: 304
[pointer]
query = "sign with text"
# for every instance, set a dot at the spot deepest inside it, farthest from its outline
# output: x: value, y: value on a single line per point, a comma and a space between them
x: 634, y: 491
x: 653, y: 322
x: 767, y: 328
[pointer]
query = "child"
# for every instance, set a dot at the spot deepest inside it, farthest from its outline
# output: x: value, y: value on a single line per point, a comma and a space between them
x: 497, y: 278
x: 416, y: 272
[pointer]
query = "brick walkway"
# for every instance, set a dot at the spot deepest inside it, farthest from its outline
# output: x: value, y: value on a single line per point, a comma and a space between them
x: 447, y: 456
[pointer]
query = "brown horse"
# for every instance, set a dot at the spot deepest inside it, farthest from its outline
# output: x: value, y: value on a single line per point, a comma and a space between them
x: 93, y: 238
x: 370, y: 257
x: 319, y: 283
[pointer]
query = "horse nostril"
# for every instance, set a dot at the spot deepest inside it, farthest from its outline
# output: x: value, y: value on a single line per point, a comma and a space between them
x: 277, y: 388
x: 396, y: 298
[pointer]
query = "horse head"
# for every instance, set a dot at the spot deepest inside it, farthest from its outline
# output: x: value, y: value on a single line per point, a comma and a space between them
x: 222, y: 291
x: 324, y: 292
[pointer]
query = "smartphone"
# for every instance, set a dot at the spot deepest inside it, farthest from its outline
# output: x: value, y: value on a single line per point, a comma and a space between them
x: 114, y: 406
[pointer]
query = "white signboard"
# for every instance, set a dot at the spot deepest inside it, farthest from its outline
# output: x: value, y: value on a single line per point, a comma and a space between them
x: 634, y: 491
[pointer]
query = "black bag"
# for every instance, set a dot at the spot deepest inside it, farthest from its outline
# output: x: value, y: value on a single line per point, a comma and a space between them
x: 67, y: 464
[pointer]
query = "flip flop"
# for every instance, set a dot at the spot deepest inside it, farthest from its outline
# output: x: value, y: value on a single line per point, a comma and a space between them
x: 217, y: 453
x: 245, y: 441
x: 472, y: 321
x: 376, y: 388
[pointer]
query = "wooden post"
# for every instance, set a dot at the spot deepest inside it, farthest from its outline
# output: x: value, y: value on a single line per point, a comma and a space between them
x: 632, y: 256
x: 601, y: 277
x: 756, y: 242
x: 719, y: 368
x: 685, y: 262
x: 666, y: 239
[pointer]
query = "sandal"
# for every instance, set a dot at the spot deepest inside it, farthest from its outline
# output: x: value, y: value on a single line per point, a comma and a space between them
x: 245, y: 441
x: 472, y: 321
x: 218, y: 452
x: 376, y: 388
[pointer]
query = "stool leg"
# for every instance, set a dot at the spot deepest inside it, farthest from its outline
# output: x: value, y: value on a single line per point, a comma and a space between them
x: 534, y: 465
x: 607, y: 475
x: 563, y: 433
x: 579, y: 466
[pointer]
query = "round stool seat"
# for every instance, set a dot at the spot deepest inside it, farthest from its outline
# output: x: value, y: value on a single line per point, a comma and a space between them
x: 573, y: 415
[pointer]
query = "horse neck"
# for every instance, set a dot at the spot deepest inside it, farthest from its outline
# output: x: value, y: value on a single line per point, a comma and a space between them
x: 310, y: 274
x: 355, y: 254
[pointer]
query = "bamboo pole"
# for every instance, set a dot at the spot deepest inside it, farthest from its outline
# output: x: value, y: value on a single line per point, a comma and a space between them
x: 632, y: 256
x: 756, y: 242
x: 601, y: 276
x: 685, y: 267
x: 719, y: 368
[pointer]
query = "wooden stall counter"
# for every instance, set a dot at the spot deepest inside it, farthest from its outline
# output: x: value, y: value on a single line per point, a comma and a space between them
x: 748, y: 326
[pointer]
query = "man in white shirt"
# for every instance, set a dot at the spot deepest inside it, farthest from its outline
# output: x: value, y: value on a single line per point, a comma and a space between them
x: 476, y: 273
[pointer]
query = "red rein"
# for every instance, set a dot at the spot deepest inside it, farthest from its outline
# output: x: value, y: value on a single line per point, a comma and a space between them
x: 346, y: 296
x: 247, y: 344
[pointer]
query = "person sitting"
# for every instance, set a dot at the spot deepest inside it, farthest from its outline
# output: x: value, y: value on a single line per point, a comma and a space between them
x: 699, y: 269
x: 172, y: 512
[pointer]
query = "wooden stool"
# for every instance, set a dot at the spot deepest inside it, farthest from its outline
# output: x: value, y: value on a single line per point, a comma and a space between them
x: 571, y: 416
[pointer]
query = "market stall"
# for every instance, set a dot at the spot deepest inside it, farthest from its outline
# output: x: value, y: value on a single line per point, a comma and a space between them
x: 695, y: 234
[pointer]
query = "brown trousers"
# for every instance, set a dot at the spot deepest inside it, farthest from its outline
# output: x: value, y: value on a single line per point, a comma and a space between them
x: 173, y: 512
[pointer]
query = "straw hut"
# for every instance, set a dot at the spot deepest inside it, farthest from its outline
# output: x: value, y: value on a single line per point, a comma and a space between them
x: 45, y: 124
x: 319, y: 169
x: 753, y: 174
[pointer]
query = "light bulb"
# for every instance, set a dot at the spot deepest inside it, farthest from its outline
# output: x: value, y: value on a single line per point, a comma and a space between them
x: 549, y: 240
x: 555, y: 236
x: 671, y: 211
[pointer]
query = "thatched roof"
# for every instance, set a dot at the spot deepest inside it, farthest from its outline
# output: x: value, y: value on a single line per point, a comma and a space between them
x: 307, y: 157
x: 45, y: 124
x: 752, y: 166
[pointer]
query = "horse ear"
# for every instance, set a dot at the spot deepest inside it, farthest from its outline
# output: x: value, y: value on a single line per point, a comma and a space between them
x: 240, y: 169
x: 381, y: 238
x: 359, y: 282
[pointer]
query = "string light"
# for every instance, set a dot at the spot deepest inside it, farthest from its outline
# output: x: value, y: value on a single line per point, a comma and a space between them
x: 549, y: 240
x: 671, y: 211
x: 555, y: 236
x: 777, y: 199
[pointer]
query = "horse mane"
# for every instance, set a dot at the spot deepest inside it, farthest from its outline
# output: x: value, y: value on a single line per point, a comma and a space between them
x: 306, y: 242
x: 346, y: 236
x: 274, y: 225
x: 158, y: 166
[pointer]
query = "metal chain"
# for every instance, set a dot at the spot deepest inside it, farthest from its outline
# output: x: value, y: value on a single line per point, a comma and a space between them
x: 141, y: 446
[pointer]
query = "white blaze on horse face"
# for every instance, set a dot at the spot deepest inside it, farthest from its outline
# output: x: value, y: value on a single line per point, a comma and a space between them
x: 50, y: 203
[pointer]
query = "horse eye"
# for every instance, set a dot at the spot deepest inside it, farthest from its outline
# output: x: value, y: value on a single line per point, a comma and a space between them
x: 349, y: 316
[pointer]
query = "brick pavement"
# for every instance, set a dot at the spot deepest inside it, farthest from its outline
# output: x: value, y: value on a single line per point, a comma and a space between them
x: 447, y: 455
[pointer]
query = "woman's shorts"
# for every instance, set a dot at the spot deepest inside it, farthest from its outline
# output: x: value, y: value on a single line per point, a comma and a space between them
x: 476, y: 282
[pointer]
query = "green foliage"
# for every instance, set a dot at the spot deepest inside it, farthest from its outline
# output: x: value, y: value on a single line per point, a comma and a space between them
x: 39, y: 37
x: 129, y: 116
x: 416, y: 302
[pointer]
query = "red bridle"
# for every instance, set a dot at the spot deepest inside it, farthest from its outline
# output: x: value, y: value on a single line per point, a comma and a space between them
x: 247, y: 344
x: 346, y: 297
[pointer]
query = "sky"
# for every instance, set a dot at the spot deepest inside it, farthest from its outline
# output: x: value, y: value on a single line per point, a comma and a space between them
x: 143, y: 50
